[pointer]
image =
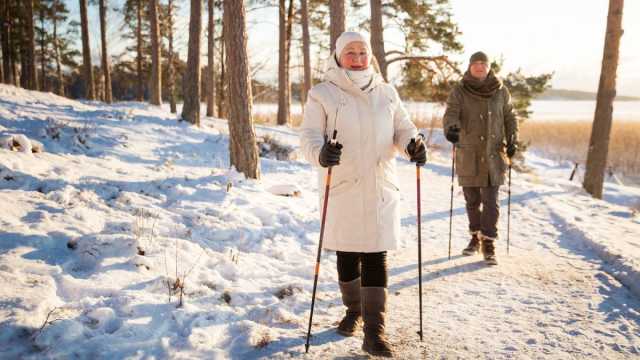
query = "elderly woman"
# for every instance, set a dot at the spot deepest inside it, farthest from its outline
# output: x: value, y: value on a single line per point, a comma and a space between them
x: 363, y: 220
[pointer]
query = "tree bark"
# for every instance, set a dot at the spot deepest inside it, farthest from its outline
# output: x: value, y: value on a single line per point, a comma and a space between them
x: 284, y: 85
x: 222, y: 106
x: 336, y: 20
x: 29, y: 72
x: 601, y: 129
x: 243, y: 149
x: 211, y: 87
x: 86, y: 53
x: 306, y: 50
x: 140, y: 82
x: 191, y: 81
x: 172, y: 74
x: 5, y: 28
x: 106, y: 66
x: 156, y: 63
x: 56, y: 49
x: 377, y: 37
x: 43, y: 58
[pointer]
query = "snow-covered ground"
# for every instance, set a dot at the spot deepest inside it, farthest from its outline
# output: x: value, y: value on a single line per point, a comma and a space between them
x: 94, y: 230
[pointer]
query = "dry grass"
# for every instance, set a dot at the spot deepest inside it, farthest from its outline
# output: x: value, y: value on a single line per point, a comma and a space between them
x: 270, y: 119
x: 568, y: 140
x: 559, y: 140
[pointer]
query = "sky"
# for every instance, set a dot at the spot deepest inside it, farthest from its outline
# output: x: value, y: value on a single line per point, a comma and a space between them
x: 561, y: 36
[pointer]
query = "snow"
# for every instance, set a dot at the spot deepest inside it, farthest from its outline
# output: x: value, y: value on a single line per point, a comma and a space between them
x: 95, y: 231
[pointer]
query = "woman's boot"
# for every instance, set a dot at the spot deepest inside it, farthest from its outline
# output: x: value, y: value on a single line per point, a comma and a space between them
x: 374, y: 300
x: 351, y: 299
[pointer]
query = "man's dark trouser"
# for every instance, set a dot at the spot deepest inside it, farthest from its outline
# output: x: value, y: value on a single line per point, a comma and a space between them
x: 485, y: 220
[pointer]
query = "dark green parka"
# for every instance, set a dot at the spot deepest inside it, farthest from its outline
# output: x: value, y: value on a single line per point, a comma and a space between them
x: 486, y: 124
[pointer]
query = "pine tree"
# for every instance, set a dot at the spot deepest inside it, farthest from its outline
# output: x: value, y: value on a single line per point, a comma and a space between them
x: 171, y: 62
x: 210, y: 88
x: 601, y: 129
x: 337, y: 19
x: 106, y: 65
x: 156, y: 64
x: 191, y: 81
x: 243, y: 149
x: 86, y: 53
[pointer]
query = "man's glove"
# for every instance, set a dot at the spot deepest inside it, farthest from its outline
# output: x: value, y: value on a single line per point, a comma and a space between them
x: 512, y: 148
x: 330, y: 154
x: 453, y: 134
x: 417, y: 151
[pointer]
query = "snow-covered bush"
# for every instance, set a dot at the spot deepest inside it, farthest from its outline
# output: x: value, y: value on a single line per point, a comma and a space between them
x: 271, y: 148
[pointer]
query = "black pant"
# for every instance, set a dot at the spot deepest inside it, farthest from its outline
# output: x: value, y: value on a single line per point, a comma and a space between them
x: 485, y: 220
x: 372, y: 267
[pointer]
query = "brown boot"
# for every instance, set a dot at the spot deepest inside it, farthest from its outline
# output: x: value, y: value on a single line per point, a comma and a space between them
x: 474, y: 245
x: 351, y: 299
x: 489, y: 250
x: 374, y: 300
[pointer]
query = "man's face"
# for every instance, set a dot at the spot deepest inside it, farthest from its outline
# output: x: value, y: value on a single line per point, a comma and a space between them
x: 355, y: 56
x: 479, y: 70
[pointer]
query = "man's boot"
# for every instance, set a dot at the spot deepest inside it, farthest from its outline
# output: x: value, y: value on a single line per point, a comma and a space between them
x: 351, y: 299
x: 474, y: 245
x: 374, y: 300
x: 489, y: 250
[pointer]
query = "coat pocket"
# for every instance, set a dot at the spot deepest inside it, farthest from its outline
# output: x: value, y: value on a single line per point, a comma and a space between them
x: 467, y: 160
x: 341, y: 187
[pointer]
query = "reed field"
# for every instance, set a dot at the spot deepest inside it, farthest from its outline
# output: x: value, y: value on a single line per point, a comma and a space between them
x: 569, y: 140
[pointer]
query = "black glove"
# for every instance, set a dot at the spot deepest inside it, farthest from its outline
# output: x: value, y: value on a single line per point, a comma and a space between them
x: 453, y: 134
x: 512, y: 148
x: 330, y: 154
x: 417, y: 151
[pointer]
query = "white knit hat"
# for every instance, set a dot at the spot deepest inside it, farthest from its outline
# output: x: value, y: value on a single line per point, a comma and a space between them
x: 350, y: 36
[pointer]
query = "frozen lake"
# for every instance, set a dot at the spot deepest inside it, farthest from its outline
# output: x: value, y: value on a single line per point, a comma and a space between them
x: 542, y: 110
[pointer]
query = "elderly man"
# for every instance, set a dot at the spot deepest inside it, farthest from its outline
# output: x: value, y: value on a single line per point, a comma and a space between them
x: 480, y: 122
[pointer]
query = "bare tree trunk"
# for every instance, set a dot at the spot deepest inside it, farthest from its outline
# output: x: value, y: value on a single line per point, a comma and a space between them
x: 284, y: 86
x: 191, y: 82
x: 43, y: 58
x: 86, y: 53
x: 377, y: 38
x: 211, y: 87
x: 106, y: 66
x: 140, y: 82
x: 5, y: 23
x: 222, y: 101
x: 601, y: 130
x: 243, y: 149
x: 156, y: 64
x: 172, y: 73
x: 29, y: 71
x: 305, y: 50
x: 336, y: 23
x: 56, y: 49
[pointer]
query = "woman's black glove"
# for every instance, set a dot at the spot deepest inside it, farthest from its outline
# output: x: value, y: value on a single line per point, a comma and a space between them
x: 417, y: 151
x: 453, y: 134
x: 330, y: 154
x: 512, y: 148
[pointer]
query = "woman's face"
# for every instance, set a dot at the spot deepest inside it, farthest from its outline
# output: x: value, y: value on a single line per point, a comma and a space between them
x: 355, y: 56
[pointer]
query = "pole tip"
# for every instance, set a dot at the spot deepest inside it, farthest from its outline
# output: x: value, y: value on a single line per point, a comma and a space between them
x: 306, y: 348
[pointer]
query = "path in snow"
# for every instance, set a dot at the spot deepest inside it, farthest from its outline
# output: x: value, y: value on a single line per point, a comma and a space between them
x: 551, y: 298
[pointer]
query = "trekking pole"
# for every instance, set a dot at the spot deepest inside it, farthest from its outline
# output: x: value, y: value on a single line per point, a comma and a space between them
x: 509, y: 208
x: 419, y: 220
x: 453, y: 165
x: 317, y: 269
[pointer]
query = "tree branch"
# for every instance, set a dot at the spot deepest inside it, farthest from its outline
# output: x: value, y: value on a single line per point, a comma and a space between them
x: 435, y: 59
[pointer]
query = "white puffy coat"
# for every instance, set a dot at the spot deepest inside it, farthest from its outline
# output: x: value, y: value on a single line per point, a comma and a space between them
x: 373, y: 126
